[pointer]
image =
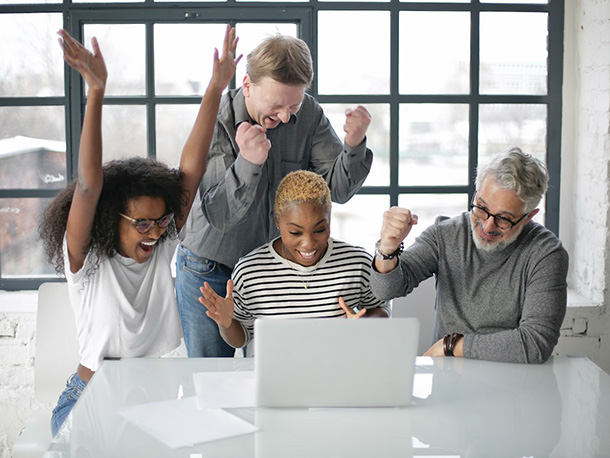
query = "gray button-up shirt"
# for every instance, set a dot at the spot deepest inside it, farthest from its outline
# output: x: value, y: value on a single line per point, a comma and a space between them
x: 233, y: 211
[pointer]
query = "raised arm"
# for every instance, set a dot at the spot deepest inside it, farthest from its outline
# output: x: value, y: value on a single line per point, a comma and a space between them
x: 344, y: 165
x: 92, y: 68
x: 195, y: 151
x: 397, y: 223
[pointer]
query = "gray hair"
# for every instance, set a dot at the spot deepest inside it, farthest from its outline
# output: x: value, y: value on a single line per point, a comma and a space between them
x: 515, y: 170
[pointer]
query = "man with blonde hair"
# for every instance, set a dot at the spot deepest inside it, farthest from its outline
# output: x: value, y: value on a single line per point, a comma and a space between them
x: 264, y: 130
x: 500, y: 277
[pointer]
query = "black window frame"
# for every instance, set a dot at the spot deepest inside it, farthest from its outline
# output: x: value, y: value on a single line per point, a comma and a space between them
x: 304, y: 14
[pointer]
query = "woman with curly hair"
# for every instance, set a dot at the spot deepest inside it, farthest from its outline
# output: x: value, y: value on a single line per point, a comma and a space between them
x: 304, y: 273
x: 113, y: 231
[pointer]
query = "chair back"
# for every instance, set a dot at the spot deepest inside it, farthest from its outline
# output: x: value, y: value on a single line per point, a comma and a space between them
x: 56, y: 343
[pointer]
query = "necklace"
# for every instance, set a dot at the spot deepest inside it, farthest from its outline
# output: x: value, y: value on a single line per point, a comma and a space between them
x: 305, y: 283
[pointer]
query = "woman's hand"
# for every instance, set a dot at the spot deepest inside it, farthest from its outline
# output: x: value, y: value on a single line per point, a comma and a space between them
x: 89, y: 64
x: 219, y: 309
x: 349, y: 313
x: 224, y: 66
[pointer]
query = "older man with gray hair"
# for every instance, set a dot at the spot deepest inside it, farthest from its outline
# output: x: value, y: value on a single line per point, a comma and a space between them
x: 500, y: 277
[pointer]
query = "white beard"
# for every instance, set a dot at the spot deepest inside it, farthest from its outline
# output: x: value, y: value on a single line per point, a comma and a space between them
x: 491, y: 247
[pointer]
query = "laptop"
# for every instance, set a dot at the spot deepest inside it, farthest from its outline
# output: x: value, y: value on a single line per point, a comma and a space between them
x: 335, y: 362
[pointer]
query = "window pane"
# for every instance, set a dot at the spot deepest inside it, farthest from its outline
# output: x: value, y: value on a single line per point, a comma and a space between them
x: 179, y: 71
x: 359, y: 221
x: 434, y: 52
x: 32, y: 61
x: 251, y: 34
x: 124, y: 132
x: 377, y: 137
x: 514, y: 1
x: 513, y: 63
x: 124, y: 52
x: 433, y: 144
x: 502, y: 126
x: 351, y: 62
x: 21, y: 251
x: 32, y: 148
x: 108, y: 1
x: 271, y: 0
x: 354, y: 0
x: 428, y: 206
x: 174, y: 123
x: 437, y: 1
x: 159, y: 1
x: 24, y: 2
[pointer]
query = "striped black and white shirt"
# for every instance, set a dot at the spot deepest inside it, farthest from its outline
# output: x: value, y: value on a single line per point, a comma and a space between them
x: 267, y: 285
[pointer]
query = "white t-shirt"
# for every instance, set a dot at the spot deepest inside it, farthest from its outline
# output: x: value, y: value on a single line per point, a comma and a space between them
x: 125, y: 309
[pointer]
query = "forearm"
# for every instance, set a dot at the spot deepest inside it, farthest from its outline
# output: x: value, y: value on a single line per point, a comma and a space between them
x: 384, y: 266
x: 522, y: 345
x: 387, y: 285
x: 90, y: 149
x: 195, y: 152
x: 233, y: 334
x: 343, y: 167
x: 348, y: 172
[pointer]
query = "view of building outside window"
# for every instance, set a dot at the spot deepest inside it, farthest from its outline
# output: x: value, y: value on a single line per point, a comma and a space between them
x: 432, y: 136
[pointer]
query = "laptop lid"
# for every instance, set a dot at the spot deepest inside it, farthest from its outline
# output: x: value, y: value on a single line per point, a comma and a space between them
x: 335, y: 362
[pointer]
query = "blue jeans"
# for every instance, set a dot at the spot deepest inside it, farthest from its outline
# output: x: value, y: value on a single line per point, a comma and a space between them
x: 201, y: 335
x: 67, y: 399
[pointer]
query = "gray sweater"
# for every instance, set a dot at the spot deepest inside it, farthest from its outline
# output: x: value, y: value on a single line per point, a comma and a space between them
x: 508, y: 304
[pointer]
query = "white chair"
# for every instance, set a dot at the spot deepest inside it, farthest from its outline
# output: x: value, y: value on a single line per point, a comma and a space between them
x: 56, y: 357
x: 419, y: 304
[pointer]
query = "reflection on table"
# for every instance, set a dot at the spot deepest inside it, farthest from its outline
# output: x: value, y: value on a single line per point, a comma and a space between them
x: 461, y: 408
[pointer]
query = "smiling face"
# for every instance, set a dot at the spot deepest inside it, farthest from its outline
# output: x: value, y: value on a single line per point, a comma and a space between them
x: 304, y: 230
x: 132, y: 244
x: 270, y: 102
x: 501, y: 202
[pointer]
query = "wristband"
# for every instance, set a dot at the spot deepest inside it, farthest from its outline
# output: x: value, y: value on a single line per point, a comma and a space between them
x: 380, y: 256
x: 449, y: 343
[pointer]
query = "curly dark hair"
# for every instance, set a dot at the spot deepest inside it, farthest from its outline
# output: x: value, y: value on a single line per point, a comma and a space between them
x: 124, y: 180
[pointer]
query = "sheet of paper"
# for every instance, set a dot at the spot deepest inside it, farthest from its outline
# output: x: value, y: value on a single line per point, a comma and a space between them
x: 179, y: 423
x: 225, y: 390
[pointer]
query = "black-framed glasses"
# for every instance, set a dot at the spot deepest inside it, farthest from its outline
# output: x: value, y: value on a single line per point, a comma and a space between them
x: 144, y: 226
x: 501, y: 222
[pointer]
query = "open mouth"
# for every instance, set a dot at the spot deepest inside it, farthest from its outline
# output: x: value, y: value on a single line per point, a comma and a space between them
x: 147, y: 247
x: 310, y: 256
x: 271, y: 122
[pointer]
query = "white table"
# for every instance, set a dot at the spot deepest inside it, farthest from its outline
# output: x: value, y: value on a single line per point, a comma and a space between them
x: 461, y: 408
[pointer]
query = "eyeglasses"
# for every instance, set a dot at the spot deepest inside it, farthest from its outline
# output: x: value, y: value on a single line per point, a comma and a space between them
x: 144, y: 226
x: 501, y: 222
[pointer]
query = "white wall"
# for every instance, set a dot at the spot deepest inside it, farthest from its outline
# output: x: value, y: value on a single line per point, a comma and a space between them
x: 585, y: 187
x: 17, y: 334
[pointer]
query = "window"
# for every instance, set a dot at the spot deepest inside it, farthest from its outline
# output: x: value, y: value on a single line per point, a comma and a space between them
x: 447, y: 84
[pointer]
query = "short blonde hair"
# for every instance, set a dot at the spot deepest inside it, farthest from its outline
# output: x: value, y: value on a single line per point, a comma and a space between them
x: 301, y: 187
x: 284, y: 58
